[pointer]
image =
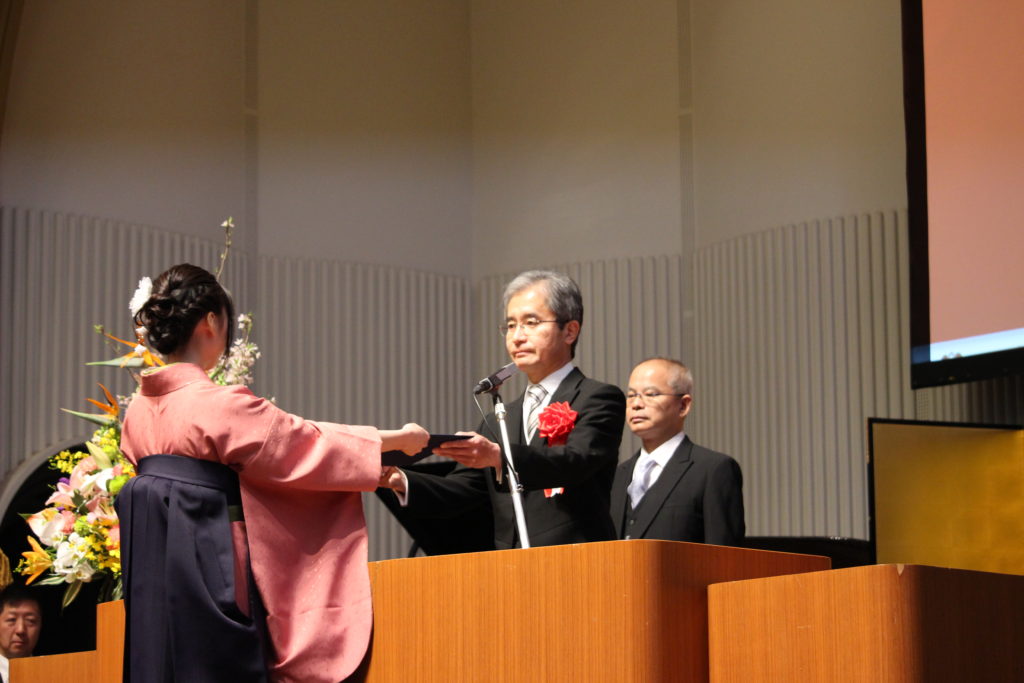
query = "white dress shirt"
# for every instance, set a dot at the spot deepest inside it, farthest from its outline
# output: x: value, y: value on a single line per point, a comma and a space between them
x: 661, y: 455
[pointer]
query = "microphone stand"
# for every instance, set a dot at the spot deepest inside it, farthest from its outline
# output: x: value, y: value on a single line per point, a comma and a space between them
x: 513, y: 477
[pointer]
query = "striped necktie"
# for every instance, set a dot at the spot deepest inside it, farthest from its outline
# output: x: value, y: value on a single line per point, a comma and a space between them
x: 535, y: 394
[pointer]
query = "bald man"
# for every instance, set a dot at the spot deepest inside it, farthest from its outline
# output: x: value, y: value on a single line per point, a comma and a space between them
x: 673, y: 489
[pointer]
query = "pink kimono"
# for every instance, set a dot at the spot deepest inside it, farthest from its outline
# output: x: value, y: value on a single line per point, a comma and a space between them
x: 299, y: 482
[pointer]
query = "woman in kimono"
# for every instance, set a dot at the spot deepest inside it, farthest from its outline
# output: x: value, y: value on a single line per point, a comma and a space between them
x: 244, y: 548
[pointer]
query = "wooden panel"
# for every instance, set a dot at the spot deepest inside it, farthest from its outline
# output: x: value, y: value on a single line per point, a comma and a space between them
x: 109, y: 642
x: 878, y: 623
x: 77, y: 667
x: 102, y: 665
x: 617, y: 611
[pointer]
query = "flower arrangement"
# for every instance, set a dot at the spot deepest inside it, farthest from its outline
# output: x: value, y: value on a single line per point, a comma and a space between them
x: 236, y: 366
x: 79, y: 537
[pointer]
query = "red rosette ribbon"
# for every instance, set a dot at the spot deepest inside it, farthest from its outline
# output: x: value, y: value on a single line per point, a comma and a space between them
x: 555, y: 424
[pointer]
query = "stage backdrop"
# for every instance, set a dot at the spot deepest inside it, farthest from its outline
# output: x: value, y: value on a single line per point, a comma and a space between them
x: 801, y: 336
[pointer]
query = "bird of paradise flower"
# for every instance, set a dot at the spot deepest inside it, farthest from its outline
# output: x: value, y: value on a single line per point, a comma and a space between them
x: 139, y: 356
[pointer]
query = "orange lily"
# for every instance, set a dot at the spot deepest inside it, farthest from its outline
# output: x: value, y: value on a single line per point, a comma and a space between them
x: 37, y: 561
x: 110, y: 407
x: 147, y: 356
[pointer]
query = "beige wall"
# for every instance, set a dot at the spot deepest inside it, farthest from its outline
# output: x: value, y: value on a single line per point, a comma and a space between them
x: 798, y: 112
x: 340, y: 131
x: 575, y: 132
x: 129, y: 110
x: 469, y: 137
x: 364, y: 132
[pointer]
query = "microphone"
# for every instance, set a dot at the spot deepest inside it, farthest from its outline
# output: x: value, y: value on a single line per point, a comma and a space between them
x: 496, y: 380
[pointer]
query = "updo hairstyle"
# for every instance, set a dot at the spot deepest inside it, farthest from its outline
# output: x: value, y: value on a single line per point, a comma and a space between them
x: 181, y: 296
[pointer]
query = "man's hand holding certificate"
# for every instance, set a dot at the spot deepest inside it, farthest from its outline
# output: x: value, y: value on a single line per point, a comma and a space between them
x: 472, y: 450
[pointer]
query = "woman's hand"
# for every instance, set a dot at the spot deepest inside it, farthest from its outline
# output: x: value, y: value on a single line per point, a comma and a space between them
x: 414, y: 437
x: 410, y: 439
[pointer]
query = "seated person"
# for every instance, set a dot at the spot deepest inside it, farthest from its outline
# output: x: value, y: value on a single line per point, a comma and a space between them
x: 21, y: 620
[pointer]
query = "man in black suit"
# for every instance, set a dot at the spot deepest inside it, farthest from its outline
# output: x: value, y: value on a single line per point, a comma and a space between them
x: 673, y: 489
x: 564, y: 465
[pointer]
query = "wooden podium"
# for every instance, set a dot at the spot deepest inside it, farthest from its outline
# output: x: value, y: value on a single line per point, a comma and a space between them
x: 898, y: 623
x: 618, y: 611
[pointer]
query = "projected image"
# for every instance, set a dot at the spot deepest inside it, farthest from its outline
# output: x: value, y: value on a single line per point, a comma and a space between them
x: 973, y: 346
x: 965, y: 146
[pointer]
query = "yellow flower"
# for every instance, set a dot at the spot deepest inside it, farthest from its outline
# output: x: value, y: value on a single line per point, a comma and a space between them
x: 37, y: 561
x: 65, y: 461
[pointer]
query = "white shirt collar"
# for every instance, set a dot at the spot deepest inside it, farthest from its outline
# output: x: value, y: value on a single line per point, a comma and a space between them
x: 663, y: 453
x: 551, y: 382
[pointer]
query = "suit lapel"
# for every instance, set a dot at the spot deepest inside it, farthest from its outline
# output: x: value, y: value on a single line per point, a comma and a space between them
x: 656, y: 496
x: 619, y: 498
x: 567, y: 391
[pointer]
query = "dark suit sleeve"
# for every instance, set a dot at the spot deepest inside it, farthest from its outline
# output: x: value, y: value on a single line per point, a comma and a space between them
x: 593, y: 444
x: 462, y: 489
x: 723, y: 504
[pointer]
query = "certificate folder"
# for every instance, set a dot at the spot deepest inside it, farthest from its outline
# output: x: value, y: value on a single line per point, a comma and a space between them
x: 400, y: 459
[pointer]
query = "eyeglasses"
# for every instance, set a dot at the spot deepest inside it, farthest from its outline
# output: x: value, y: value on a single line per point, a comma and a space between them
x: 648, y: 395
x: 528, y: 326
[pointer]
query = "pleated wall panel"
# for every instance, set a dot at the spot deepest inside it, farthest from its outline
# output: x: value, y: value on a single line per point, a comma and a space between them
x: 342, y: 342
x: 60, y: 275
x: 364, y: 344
x: 999, y: 401
x: 802, y: 335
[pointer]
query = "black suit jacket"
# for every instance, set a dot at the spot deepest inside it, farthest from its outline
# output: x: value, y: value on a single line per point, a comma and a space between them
x: 698, y: 497
x: 584, y: 466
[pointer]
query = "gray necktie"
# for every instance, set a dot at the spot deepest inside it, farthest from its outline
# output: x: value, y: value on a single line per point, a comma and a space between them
x: 641, y: 481
x: 535, y: 394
